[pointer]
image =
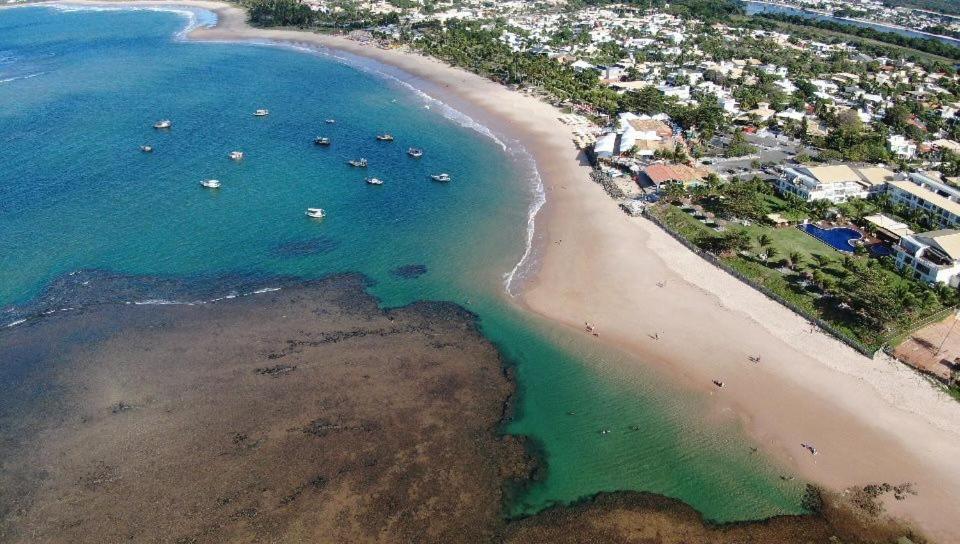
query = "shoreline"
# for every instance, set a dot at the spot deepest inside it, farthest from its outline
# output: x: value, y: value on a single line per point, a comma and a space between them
x: 810, y: 386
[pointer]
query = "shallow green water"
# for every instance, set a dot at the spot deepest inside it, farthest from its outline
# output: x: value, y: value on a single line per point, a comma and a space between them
x: 80, y: 91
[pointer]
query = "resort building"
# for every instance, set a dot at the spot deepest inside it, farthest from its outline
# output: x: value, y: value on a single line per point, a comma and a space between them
x: 934, y: 257
x: 942, y: 206
x: 837, y: 183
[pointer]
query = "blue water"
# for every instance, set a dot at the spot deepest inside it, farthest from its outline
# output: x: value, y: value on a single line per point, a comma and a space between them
x: 79, y: 94
x: 754, y: 7
x: 839, y: 238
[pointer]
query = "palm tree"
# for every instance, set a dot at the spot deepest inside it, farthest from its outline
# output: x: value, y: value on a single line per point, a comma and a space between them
x: 763, y: 240
x: 794, y: 260
x: 772, y: 253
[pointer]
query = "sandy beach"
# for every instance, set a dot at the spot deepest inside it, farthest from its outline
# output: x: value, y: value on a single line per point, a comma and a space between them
x: 872, y: 421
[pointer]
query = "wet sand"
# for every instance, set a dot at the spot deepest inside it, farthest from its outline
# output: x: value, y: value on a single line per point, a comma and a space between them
x: 306, y: 414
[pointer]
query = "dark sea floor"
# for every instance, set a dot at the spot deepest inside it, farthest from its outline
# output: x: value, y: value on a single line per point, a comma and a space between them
x: 304, y: 414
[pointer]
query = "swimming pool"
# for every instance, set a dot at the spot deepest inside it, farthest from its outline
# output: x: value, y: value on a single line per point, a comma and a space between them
x: 839, y: 238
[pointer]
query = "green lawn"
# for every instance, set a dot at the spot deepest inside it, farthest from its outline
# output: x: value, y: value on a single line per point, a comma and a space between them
x: 815, y: 254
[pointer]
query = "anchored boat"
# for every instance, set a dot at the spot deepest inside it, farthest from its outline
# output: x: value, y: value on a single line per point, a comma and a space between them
x: 358, y: 163
x: 415, y: 152
x: 236, y: 155
x: 210, y: 183
x: 316, y: 213
x: 440, y: 177
x: 375, y: 181
x: 261, y: 113
x: 320, y: 140
x: 164, y: 123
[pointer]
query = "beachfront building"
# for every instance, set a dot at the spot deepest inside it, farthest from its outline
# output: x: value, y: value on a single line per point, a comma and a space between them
x: 644, y: 135
x: 661, y: 174
x: 924, y: 193
x: 933, y: 257
x: 837, y: 183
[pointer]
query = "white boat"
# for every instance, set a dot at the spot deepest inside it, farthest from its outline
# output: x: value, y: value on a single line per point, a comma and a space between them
x: 316, y: 213
x: 261, y: 113
x: 321, y: 140
x: 415, y: 153
x: 359, y: 163
x: 210, y: 183
x: 164, y: 123
x: 385, y: 137
x: 330, y: 121
x: 375, y: 181
x: 146, y: 148
x: 440, y: 177
x: 236, y: 155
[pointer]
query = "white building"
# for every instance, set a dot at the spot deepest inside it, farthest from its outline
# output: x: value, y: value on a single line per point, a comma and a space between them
x: 923, y: 192
x: 837, y: 183
x: 934, y: 257
x: 902, y: 147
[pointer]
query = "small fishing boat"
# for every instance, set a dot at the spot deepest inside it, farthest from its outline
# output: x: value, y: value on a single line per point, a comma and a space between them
x: 386, y: 137
x: 375, y: 181
x: 261, y: 113
x: 330, y: 121
x: 415, y: 152
x: 236, y: 155
x: 146, y: 148
x: 446, y: 177
x: 358, y: 163
x: 164, y: 123
x: 210, y: 183
x: 320, y: 140
x: 316, y: 213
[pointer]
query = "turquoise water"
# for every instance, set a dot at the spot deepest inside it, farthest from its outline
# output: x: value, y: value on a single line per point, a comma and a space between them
x: 80, y: 91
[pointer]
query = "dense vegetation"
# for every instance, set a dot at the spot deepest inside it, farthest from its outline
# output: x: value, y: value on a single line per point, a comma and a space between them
x: 469, y: 45
x: 926, y: 45
x: 298, y: 14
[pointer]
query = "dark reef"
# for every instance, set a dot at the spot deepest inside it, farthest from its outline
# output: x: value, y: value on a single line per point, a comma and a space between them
x: 304, y: 414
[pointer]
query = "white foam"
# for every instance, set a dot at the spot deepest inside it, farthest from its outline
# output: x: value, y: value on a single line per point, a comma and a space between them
x: 512, y: 279
x: 18, y: 78
x: 161, y: 302
x: 265, y: 290
x: 15, y: 323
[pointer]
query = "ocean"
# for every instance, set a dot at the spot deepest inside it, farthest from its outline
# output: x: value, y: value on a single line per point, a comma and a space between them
x: 79, y: 202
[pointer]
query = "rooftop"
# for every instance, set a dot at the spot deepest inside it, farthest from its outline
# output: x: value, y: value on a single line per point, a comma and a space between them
x: 929, y: 196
